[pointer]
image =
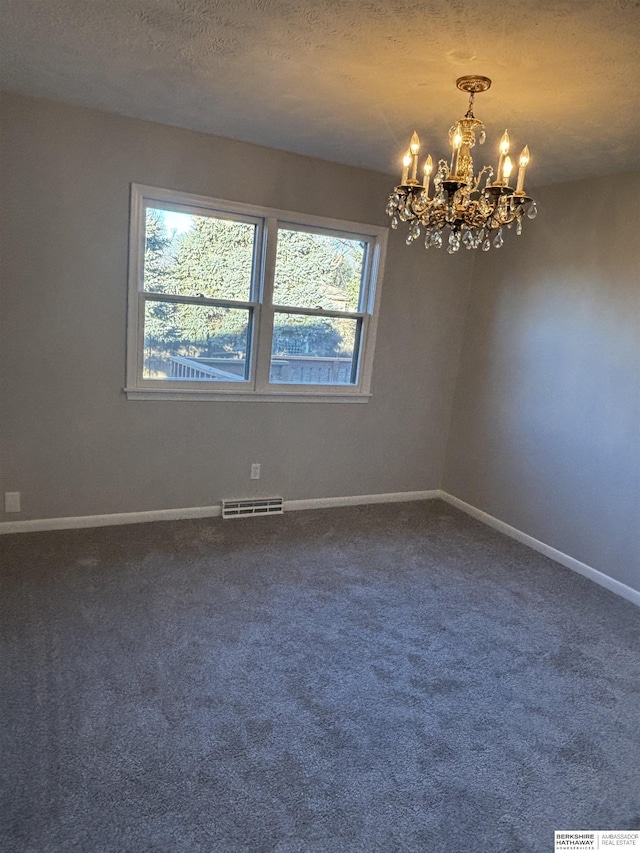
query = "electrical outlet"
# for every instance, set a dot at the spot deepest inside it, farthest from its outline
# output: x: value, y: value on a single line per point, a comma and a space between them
x: 12, y: 501
x: 255, y: 470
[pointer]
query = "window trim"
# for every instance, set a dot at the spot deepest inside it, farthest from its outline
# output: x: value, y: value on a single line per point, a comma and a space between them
x: 267, y: 220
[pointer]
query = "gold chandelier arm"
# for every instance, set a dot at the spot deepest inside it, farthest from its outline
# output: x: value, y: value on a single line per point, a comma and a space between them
x: 486, y: 170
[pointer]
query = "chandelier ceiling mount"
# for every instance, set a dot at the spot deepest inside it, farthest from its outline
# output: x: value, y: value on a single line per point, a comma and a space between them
x: 473, y: 84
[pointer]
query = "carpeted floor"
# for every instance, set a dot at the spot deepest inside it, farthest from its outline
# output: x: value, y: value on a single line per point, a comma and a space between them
x: 381, y: 678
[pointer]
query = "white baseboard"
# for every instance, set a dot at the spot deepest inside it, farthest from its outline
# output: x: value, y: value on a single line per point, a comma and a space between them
x: 109, y: 520
x: 628, y: 592
x: 73, y: 522
x: 358, y: 500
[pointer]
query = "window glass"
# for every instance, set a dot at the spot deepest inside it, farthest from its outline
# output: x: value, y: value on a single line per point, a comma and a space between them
x: 318, y: 271
x: 195, y: 342
x: 316, y: 350
x: 189, y: 255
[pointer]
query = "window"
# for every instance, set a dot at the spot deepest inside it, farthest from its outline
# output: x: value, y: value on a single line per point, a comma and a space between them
x: 229, y: 301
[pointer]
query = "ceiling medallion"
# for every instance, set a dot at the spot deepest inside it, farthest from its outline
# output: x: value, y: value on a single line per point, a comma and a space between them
x: 474, y: 216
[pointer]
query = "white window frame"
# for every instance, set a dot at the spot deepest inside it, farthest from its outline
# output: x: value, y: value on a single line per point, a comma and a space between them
x: 267, y: 221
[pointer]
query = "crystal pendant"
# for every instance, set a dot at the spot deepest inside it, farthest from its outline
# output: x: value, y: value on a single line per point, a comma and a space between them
x: 394, y: 222
x: 519, y: 227
x: 482, y: 137
x: 486, y: 245
x: 410, y: 239
x: 390, y: 209
x: 415, y: 231
x: 436, y: 240
x: 533, y: 210
x: 427, y: 238
x: 498, y: 240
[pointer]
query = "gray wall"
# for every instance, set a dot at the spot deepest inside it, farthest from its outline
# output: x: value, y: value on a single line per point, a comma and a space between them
x: 73, y: 445
x: 545, y: 430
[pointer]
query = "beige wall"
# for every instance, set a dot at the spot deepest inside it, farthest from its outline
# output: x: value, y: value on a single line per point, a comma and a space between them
x: 73, y: 445
x: 545, y: 431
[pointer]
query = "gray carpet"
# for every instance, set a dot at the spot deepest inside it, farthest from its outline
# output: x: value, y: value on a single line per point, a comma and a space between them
x: 381, y: 678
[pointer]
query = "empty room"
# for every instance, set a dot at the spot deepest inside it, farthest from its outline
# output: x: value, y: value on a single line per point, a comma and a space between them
x: 319, y: 426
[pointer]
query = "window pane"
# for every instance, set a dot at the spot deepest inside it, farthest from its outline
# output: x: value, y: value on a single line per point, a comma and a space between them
x: 186, y: 255
x: 314, y: 350
x: 318, y: 271
x: 195, y: 342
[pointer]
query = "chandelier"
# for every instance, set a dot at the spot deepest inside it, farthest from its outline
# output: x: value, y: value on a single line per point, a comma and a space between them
x: 461, y: 212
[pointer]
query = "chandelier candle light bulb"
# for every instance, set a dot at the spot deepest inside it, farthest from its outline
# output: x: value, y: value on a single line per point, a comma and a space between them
x: 428, y: 168
x: 473, y: 214
x: 406, y: 162
x: 504, y: 150
x: 524, y: 159
x: 456, y: 143
x: 414, y: 147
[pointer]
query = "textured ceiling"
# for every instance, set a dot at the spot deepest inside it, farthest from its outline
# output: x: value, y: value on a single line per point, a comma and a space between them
x: 347, y: 80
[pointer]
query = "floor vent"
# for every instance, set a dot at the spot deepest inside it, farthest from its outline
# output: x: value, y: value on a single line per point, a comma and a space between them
x: 257, y: 506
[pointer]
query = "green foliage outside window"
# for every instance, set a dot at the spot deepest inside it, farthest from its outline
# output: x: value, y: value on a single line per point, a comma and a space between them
x: 214, y: 258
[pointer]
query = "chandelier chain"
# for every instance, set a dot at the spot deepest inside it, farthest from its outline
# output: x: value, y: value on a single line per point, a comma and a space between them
x: 469, y: 113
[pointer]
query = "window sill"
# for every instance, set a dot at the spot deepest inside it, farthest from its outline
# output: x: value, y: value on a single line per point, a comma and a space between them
x: 246, y: 396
